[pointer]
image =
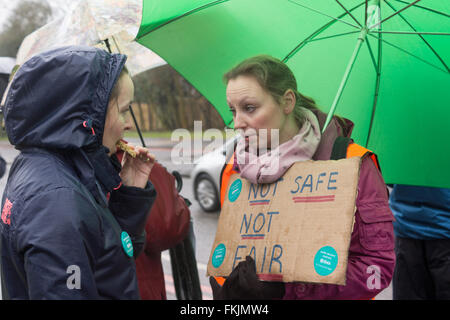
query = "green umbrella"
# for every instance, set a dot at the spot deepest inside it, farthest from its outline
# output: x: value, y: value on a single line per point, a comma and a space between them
x: 383, y: 64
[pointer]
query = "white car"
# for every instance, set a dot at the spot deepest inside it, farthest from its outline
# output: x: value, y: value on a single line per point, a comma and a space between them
x: 206, y: 175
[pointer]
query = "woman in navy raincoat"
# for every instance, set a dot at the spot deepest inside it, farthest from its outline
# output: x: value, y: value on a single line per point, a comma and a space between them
x: 72, y: 220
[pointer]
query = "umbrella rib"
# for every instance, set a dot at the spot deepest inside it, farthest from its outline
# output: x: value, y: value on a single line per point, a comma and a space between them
x: 182, y: 16
x: 349, y: 13
x: 425, y: 8
x: 420, y: 35
x: 407, y: 52
x: 316, y: 33
x: 333, y: 36
x: 371, y: 55
x: 324, y: 14
x: 106, y: 41
x: 365, y: 13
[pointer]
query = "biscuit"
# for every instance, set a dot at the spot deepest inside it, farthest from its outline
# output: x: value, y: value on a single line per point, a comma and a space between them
x: 126, y: 148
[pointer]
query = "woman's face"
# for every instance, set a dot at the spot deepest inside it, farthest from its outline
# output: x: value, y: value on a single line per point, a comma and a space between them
x: 117, y: 117
x: 254, y: 109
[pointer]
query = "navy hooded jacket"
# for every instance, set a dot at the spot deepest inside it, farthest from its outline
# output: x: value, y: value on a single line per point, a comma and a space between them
x: 60, y: 236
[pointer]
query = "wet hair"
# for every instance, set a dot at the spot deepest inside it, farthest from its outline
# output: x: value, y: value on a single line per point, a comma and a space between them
x: 276, y: 78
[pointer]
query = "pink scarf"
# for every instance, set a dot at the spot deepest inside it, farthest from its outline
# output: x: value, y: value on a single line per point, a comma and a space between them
x: 270, y: 166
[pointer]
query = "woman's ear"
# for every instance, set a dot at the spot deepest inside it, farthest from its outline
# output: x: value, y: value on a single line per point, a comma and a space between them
x: 289, y: 101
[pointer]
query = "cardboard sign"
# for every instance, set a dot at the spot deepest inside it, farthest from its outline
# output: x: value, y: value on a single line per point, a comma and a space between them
x: 296, y: 229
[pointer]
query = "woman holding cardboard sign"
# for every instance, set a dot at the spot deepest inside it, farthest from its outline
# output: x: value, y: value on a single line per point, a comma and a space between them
x: 262, y: 95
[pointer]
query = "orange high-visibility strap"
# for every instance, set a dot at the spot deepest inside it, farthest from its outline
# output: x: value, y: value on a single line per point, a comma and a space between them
x: 220, y: 280
x: 226, y: 174
x: 355, y: 150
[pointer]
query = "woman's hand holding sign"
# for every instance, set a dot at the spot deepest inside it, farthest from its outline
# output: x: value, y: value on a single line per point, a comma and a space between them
x: 243, y: 284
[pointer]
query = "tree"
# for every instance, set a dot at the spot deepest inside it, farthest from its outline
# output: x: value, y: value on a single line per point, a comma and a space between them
x: 26, y: 17
x: 173, y: 102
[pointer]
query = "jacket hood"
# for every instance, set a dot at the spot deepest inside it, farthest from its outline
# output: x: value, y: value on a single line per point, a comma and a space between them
x: 58, y: 99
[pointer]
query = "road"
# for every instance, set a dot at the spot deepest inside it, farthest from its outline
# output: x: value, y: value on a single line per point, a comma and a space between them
x: 205, y: 224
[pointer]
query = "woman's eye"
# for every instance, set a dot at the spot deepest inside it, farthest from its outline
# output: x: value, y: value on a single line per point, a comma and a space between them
x: 249, y: 108
x: 124, y: 114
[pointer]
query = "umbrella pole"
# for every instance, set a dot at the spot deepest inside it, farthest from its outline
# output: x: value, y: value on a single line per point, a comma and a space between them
x: 137, y: 126
x: 361, y: 39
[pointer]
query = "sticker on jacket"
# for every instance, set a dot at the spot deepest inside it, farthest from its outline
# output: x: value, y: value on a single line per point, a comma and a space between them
x: 127, y: 244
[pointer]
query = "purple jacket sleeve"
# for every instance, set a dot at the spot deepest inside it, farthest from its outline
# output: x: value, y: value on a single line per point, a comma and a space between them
x: 371, y: 257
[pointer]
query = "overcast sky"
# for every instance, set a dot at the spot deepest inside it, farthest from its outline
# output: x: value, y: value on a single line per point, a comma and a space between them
x: 7, y: 6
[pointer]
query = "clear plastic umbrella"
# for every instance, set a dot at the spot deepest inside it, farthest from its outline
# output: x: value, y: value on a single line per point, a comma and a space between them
x: 6, y: 64
x: 100, y: 23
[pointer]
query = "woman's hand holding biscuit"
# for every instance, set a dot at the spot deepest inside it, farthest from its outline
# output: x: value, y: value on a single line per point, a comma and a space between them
x: 136, y: 170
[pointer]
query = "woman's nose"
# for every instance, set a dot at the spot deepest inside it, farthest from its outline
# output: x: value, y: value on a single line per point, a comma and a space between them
x: 128, y: 125
x: 239, y: 122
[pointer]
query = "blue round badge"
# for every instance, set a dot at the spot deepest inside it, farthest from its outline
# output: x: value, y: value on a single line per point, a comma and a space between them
x: 325, y: 261
x: 235, y: 190
x: 218, y: 255
x: 127, y: 245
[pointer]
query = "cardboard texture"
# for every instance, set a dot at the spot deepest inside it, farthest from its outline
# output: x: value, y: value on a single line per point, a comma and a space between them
x: 297, y: 229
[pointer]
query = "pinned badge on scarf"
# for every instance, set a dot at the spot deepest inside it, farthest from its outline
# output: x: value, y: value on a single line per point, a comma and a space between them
x: 127, y: 244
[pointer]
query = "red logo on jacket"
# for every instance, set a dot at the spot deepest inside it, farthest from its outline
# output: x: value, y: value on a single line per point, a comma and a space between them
x: 6, y: 212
